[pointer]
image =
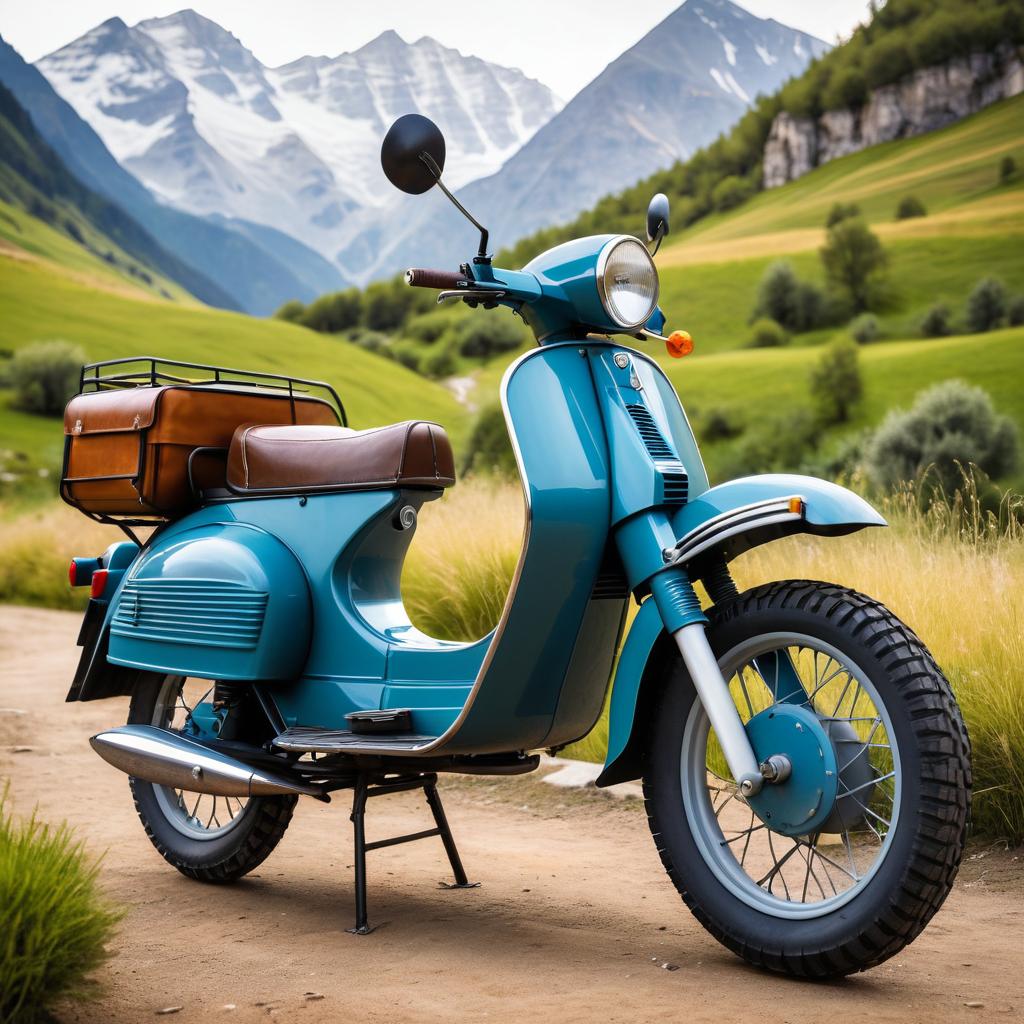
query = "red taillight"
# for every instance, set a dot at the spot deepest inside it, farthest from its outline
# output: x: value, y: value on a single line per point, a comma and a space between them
x: 99, y: 583
x: 73, y: 573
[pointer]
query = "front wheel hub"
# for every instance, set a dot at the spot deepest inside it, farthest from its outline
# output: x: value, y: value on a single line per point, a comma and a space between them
x: 800, y: 802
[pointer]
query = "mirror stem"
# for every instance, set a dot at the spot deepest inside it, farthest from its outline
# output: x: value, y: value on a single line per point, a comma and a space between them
x: 481, y: 256
x: 657, y: 242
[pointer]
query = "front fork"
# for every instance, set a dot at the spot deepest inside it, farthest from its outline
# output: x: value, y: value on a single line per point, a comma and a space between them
x: 681, y: 613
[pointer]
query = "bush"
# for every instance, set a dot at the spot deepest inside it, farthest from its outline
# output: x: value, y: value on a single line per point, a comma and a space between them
x: 865, y: 329
x: 986, y: 305
x: 910, y: 206
x: 766, y: 333
x: 1007, y: 169
x: 846, y: 89
x: 489, y: 448
x: 854, y: 261
x: 483, y: 336
x: 937, y: 322
x: 841, y: 211
x: 836, y: 384
x: 44, y: 376
x: 719, y: 424
x: 56, y: 924
x: 372, y: 341
x: 796, y: 305
x: 950, y: 425
x: 428, y: 327
x: 777, y: 446
x: 1015, y: 311
x: 439, y: 362
x: 405, y: 352
x: 387, y: 304
x: 730, y: 192
x: 334, y: 312
x: 292, y: 311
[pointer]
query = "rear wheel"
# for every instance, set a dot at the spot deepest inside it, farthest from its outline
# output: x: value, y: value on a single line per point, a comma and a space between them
x: 881, y: 857
x: 209, y: 838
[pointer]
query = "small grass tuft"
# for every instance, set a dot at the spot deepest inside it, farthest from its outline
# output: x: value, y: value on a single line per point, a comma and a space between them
x: 56, y: 923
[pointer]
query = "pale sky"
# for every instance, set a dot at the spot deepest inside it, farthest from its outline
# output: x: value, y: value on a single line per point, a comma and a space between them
x: 563, y: 43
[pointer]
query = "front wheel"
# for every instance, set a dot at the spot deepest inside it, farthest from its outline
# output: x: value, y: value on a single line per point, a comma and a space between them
x: 877, y: 861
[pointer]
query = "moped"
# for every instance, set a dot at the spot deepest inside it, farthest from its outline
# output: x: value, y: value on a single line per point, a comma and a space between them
x: 805, y: 767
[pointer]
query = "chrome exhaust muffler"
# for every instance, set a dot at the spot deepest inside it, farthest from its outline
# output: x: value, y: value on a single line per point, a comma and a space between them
x: 169, y: 759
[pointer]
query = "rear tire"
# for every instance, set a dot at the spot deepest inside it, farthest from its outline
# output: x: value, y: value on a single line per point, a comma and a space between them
x: 886, y: 907
x: 216, y: 855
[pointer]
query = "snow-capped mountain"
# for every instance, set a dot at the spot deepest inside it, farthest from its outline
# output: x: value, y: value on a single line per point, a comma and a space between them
x: 676, y: 90
x: 192, y: 113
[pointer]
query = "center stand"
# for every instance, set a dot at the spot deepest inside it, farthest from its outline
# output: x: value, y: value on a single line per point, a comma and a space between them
x: 368, y: 785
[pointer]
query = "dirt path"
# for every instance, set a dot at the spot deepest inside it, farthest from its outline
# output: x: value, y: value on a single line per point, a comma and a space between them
x: 573, y: 922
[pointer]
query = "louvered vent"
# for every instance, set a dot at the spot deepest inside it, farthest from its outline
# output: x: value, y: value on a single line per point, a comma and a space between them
x: 655, y: 444
x: 203, y: 612
x: 611, y: 578
x: 675, y: 487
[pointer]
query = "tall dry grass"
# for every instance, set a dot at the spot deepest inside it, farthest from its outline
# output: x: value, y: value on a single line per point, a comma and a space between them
x: 953, y: 572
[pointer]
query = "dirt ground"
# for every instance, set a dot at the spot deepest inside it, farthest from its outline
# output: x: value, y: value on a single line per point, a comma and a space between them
x: 575, y: 919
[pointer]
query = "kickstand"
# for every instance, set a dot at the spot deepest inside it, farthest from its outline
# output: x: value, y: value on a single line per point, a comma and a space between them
x: 364, y: 789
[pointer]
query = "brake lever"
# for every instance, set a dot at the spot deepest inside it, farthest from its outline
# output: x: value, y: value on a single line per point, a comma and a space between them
x: 471, y: 295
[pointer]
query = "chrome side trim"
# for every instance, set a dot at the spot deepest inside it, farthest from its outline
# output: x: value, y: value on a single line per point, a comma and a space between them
x: 729, y: 524
x: 506, y: 611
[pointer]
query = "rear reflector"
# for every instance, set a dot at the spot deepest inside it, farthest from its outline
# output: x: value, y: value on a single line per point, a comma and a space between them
x: 99, y: 583
x: 80, y: 571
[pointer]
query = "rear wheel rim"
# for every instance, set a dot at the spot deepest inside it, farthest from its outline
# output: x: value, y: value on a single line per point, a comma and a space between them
x: 199, y: 816
x: 809, y: 876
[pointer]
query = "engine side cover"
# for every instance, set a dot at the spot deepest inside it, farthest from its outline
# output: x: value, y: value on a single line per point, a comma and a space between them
x: 222, y: 601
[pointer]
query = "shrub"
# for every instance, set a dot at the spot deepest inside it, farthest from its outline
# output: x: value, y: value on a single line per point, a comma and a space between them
x: 372, y: 341
x: 841, y: 211
x: 950, y: 425
x: 719, y: 424
x: 730, y: 192
x: 1015, y: 311
x: 488, y: 448
x: 777, y: 445
x: 439, y: 362
x: 766, y: 333
x: 854, y: 261
x: 428, y: 327
x: 387, y: 304
x: 405, y: 352
x: 484, y: 336
x: 44, y: 376
x: 796, y: 305
x: 836, y: 384
x: 910, y: 206
x: 986, y: 305
x: 937, y: 322
x: 865, y: 329
x: 846, y: 89
x: 334, y: 312
x: 292, y: 311
x: 1007, y: 169
x: 56, y: 924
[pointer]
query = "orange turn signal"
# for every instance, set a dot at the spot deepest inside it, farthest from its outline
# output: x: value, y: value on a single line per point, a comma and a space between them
x: 679, y: 344
x: 796, y: 506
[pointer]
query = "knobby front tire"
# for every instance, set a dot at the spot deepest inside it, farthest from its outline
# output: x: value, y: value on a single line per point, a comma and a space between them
x: 868, y: 892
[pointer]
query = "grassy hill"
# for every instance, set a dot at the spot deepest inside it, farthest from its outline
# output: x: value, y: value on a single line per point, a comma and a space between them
x: 42, y: 300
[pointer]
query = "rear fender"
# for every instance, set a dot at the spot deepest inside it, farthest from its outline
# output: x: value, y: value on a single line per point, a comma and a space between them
x: 728, y: 519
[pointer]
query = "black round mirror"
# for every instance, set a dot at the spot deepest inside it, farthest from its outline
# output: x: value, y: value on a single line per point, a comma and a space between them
x: 657, y: 217
x: 411, y: 145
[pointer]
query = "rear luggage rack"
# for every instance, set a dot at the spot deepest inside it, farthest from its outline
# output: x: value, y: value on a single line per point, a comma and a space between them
x: 152, y: 371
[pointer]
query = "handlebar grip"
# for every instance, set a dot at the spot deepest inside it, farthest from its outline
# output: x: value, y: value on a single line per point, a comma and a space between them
x: 439, y: 279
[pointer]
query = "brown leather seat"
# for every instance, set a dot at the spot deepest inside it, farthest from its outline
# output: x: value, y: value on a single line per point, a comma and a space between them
x: 285, y: 459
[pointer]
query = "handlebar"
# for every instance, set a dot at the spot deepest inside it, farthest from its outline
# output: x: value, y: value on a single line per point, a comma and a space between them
x: 439, y: 279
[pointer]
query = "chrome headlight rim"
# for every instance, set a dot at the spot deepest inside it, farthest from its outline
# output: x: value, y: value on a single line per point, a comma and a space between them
x: 602, y: 264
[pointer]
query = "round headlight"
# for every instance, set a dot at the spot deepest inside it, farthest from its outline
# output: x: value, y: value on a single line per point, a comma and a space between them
x: 627, y: 282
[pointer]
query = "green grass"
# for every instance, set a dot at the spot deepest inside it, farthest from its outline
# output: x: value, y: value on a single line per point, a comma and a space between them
x: 40, y: 302
x: 55, y: 922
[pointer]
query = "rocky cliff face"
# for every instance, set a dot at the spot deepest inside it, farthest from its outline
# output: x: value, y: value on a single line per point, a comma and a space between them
x: 928, y: 99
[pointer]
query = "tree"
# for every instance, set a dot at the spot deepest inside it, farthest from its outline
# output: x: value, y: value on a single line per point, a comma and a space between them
x: 841, y: 211
x: 1007, y: 169
x: 854, y: 261
x: 986, y: 305
x: 291, y: 311
x: 836, y: 384
x: 44, y: 376
x: 332, y: 313
x: 950, y: 425
x: 936, y: 323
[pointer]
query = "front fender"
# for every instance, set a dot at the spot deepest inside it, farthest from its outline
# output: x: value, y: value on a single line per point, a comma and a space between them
x: 722, y: 519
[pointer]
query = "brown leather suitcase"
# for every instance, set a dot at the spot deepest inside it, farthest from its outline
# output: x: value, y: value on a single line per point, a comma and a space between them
x: 127, y: 450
